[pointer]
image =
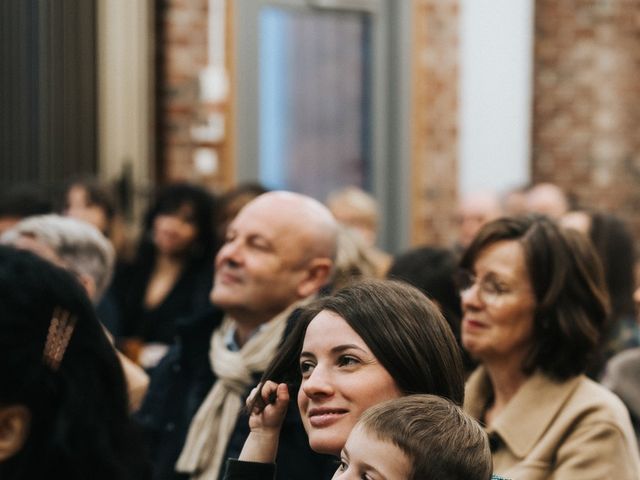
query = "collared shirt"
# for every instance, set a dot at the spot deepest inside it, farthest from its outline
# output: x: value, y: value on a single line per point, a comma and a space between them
x: 230, y: 338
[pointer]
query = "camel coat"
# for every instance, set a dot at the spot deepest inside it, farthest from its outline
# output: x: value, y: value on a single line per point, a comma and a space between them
x: 571, y: 430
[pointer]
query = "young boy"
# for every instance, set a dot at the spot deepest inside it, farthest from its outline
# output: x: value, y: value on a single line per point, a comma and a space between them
x: 417, y: 437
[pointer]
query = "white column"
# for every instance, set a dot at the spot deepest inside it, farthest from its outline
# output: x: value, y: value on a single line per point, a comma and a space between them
x: 125, y: 90
x: 496, y: 48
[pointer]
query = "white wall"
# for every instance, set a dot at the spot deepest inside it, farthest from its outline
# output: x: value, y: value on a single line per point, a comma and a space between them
x: 496, y: 91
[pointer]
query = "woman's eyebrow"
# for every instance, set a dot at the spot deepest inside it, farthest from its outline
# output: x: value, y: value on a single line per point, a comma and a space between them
x: 337, y: 349
x: 349, y: 346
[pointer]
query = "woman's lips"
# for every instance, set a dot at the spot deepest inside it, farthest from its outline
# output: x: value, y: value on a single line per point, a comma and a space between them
x: 471, y: 324
x: 324, y: 417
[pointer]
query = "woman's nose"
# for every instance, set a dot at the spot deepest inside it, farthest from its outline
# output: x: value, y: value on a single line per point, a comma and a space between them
x: 470, y: 297
x: 317, y: 383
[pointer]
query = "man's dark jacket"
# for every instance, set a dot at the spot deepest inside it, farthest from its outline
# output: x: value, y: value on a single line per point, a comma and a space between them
x: 179, y: 385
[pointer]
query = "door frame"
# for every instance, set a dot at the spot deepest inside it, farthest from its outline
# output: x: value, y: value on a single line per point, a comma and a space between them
x: 391, y: 65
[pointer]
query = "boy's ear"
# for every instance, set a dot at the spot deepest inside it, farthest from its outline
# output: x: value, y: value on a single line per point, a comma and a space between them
x: 15, y: 421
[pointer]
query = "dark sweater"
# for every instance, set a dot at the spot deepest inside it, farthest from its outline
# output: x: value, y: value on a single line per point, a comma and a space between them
x: 179, y: 385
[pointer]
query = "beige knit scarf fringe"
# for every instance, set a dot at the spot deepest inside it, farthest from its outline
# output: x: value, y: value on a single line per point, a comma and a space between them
x: 211, y: 428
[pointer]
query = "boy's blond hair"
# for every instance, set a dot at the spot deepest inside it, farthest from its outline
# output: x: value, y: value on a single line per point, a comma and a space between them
x: 440, y: 440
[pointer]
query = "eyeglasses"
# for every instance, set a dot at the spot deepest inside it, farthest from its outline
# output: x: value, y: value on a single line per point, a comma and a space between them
x: 489, y: 290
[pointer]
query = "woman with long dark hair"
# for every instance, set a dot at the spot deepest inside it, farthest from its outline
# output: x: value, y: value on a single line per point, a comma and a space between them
x: 63, y: 400
x: 170, y: 277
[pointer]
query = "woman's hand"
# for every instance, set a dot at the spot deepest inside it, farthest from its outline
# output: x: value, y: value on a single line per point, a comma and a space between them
x: 265, y: 422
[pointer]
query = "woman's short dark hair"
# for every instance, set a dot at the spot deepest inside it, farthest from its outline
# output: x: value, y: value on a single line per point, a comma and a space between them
x: 404, y: 330
x: 79, y: 426
x: 568, y: 284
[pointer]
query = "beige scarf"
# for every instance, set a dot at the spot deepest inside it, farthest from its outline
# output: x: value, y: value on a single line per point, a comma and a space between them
x: 211, y: 428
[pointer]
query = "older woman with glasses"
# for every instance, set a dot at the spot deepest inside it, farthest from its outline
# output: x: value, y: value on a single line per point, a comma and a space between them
x: 534, y: 304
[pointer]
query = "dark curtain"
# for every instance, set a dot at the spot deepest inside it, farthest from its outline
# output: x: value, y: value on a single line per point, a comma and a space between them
x: 48, y: 130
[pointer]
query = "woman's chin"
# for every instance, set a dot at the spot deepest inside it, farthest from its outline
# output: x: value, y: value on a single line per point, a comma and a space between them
x: 326, y: 446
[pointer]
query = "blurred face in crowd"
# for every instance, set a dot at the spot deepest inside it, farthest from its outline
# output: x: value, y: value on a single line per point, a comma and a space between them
x: 474, y: 211
x: 270, y: 258
x: 341, y: 378
x: 547, y: 199
x: 366, y: 456
x: 498, y: 304
x: 78, y: 206
x: 579, y: 221
x: 174, y: 233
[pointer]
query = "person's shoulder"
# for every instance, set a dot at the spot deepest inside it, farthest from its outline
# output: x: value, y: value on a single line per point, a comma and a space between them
x: 597, y: 402
x: 627, y: 361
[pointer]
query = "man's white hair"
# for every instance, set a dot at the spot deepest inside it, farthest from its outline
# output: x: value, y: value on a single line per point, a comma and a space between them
x: 79, y: 245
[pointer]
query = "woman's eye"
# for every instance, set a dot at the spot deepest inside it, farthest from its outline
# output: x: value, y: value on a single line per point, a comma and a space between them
x: 343, y: 466
x: 494, y: 288
x: 306, y: 368
x: 347, y: 360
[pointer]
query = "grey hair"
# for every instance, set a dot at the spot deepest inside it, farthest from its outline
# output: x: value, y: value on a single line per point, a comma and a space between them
x: 79, y: 245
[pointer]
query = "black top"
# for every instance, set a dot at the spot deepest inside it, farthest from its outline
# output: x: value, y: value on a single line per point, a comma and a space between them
x: 188, y: 297
x: 239, y: 470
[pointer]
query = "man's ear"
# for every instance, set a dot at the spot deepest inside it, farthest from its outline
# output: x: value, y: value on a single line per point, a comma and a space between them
x: 317, y: 276
x: 14, y: 430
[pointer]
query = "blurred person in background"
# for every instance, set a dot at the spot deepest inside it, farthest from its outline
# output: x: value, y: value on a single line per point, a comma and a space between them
x: 21, y: 201
x: 514, y: 201
x: 353, y: 260
x: 548, y: 199
x: 170, y: 276
x: 622, y: 376
x: 232, y: 201
x: 356, y: 209
x: 534, y: 306
x: 90, y: 201
x: 614, y: 243
x: 63, y: 402
x: 433, y: 271
x: 474, y: 210
x: 94, y: 202
x: 83, y: 250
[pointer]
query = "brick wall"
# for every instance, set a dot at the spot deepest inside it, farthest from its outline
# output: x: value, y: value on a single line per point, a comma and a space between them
x: 181, y: 56
x: 434, y: 120
x: 586, y: 124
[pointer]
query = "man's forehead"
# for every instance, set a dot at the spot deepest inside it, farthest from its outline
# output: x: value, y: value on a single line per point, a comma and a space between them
x: 267, y: 219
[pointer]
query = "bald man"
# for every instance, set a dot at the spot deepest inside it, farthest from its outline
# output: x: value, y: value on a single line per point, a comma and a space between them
x: 474, y: 211
x: 547, y: 199
x: 277, y: 254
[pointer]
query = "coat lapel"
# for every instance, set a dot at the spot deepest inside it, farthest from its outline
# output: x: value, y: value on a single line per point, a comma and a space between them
x: 529, y: 413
